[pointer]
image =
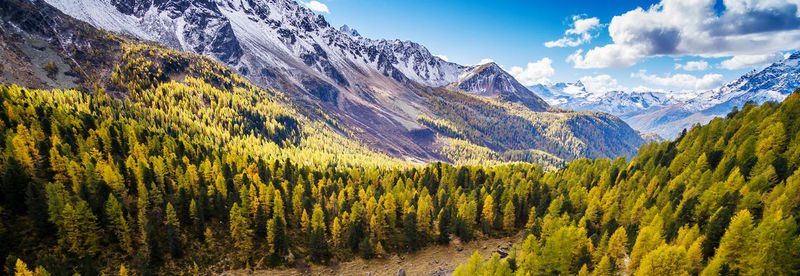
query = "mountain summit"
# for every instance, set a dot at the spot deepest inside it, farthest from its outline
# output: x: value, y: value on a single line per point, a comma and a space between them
x: 489, y: 80
x: 376, y: 90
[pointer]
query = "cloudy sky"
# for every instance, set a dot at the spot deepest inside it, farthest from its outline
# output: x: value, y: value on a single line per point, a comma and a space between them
x: 670, y: 45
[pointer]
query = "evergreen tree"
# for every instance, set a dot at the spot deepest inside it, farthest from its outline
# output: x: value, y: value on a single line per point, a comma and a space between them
x: 411, y: 236
x: 665, y: 260
x: 173, y: 235
x: 15, y: 182
x: 509, y: 217
x: 241, y: 234
x: 118, y: 223
x: 82, y: 234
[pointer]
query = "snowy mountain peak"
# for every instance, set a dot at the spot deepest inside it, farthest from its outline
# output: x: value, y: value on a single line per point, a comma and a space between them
x: 490, y: 80
x: 795, y: 55
x: 346, y: 29
x: 575, y: 96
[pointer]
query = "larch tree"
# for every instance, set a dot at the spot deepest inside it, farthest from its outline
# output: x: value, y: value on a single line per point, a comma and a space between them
x: 487, y: 214
x: 665, y: 260
x: 617, y: 248
x: 509, y: 217
x: 118, y: 223
x: 241, y: 234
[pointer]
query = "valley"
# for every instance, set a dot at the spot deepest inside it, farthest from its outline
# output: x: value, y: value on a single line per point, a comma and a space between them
x: 218, y: 137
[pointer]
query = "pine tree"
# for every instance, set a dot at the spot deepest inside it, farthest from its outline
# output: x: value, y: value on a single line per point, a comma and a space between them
x: 648, y: 240
x: 278, y: 210
x: 411, y: 236
x: 271, y: 236
x: 15, y: 182
x: 318, y: 219
x: 173, y: 226
x: 337, y: 233
x: 472, y: 267
x: 241, y: 234
x: 21, y: 269
x: 118, y: 223
x: 24, y: 150
x: 774, y: 247
x: 509, y: 217
x: 424, y: 217
x: 617, y: 248
x: 487, y: 215
x: 82, y: 232
x: 665, y: 260
x: 604, y: 267
x: 531, y: 218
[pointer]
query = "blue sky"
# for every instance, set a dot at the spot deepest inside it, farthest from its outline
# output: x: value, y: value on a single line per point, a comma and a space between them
x: 673, y: 45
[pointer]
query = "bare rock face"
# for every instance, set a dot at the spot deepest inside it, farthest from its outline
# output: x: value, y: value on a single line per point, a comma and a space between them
x: 492, y: 81
x: 374, y: 89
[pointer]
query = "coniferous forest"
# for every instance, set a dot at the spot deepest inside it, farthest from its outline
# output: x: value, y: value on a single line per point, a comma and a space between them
x: 174, y: 164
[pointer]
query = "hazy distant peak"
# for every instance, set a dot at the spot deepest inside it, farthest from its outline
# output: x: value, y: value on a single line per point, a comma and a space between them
x: 346, y: 29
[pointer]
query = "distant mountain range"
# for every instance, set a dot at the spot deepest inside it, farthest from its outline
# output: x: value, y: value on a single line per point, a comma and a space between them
x: 392, y: 95
x: 667, y: 113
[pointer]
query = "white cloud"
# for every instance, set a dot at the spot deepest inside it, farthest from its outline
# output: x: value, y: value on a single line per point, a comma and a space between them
x: 708, y: 81
x: 600, y: 84
x: 317, y: 6
x: 642, y: 88
x: 443, y: 57
x: 485, y: 61
x: 581, y: 32
x: 693, y: 66
x: 692, y: 27
x: 748, y: 61
x: 534, y: 73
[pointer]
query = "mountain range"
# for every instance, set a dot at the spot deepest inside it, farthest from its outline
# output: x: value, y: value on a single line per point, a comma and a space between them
x: 391, y: 95
x: 668, y: 113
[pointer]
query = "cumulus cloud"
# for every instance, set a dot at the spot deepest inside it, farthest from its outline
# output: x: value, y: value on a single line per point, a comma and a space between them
x: 581, y: 32
x: 443, y: 57
x: 749, y: 61
x: 708, y: 81
x: 642, y: 88
x: 600, y: 84
x: 693, y: 66
x: 317, y: 6
x: 485, y: 61
x: 693, y: 27
x: 534, y: 73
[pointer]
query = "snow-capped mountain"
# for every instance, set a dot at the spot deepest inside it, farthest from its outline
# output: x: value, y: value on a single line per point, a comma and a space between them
x: 375, y: 89
x: 574, y: 96
x: 667, y: 113
x: 773, y: 83
x: 265, y: 34
x: 281, y: 44
x: 489, y: 80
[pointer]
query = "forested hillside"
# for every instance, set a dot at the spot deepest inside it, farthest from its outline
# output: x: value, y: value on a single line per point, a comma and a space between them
x: 100, y: 191
x: 162, y: 162
x: 722, y: 199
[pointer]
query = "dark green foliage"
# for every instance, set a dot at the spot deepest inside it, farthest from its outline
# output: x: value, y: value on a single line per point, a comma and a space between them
x: 365, y: 248
x: 15, y: 183
x: 318, y: 246
x: 715, y: 229
x: 411, y: 239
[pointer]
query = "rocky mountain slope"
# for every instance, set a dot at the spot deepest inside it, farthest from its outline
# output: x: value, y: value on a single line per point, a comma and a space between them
x: 772, y: 83
x: 668, y: 113
x: 574, y: 96
x: 376, y: 90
